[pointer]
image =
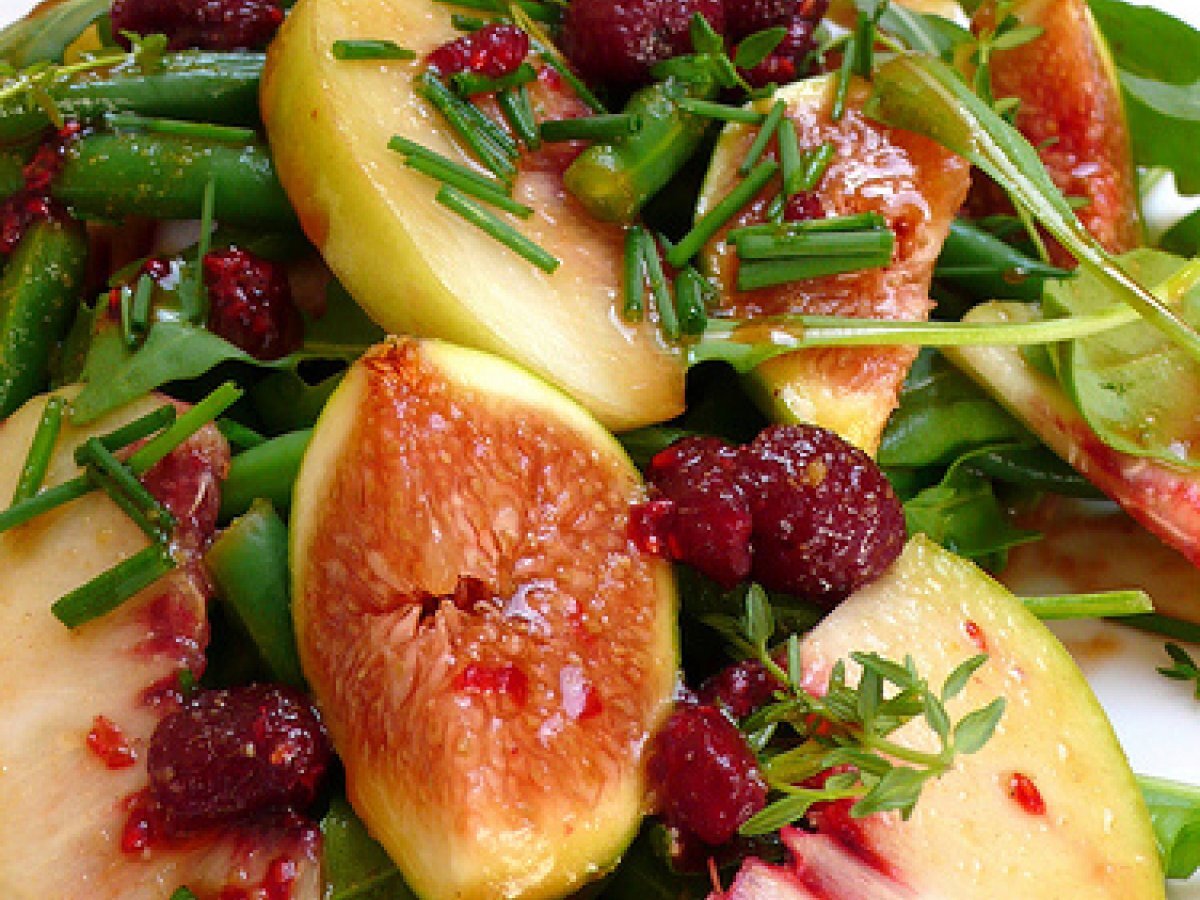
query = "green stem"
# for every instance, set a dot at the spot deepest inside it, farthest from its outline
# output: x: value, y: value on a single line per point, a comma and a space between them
x: 1089, y: 606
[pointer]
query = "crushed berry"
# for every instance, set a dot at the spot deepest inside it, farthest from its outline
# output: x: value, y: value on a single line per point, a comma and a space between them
x: 803, y: 207
x: 618, y: 43
x: 205, y: 24
x: 32, y: 202
x: 250, y: 303
x: 705, y: 775
x: 792, y: 56
x: 237, y: 752
x: 744, y: 17
x: 740, y: 688
x: 108, y: 742
x: 494, y: 50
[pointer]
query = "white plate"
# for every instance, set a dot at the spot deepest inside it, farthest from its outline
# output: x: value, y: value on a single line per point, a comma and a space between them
x: 1157, y: 721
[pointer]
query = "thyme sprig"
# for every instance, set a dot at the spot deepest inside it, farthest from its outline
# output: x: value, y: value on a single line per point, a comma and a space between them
x: 1182, y: 668
x: 849, y: 728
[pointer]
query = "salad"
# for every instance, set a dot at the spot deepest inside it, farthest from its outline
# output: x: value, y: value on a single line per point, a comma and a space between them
x: 491, y: 449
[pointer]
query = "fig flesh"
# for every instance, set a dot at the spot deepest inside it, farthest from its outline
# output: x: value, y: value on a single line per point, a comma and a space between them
x: 489, y: 650
x: 916, y: 185
x: 416, y: 267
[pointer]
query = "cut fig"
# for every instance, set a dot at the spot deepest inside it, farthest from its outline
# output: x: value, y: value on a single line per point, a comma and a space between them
x: 416, y: 267
x: 1071, y: 110
x: 489, y: 650
x: 78, y: 708
x: 1047, y: 808
x: 916, y: 185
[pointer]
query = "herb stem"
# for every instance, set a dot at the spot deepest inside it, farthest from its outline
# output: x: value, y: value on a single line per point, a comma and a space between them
x: 1089, y: 606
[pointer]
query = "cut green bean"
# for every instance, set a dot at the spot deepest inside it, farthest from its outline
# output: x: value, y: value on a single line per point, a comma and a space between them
x: 266, y: 471
x: 721, y: 213
x: 980, y: 264
x: 765, y: 133
x: 497, y: 229
x: 110, y: 589
x: 41, y: 450
x: 371, y: 50
x: 518, y: 112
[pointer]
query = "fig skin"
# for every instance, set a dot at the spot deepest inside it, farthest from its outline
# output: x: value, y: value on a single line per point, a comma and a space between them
x: 489, y: 652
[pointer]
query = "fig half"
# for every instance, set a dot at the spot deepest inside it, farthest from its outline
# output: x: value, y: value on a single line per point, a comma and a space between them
x: 416, y: 267
x: 488, y: 648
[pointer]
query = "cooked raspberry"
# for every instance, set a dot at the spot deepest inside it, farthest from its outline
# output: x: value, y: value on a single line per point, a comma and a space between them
x: 250, y: 303
x: 803, y: 206
x: 618, y: 42
x: 741, y: 688
x: 791, y: 57
x: 826, y: 519
x: 32, y: 202
x: 206, y: 24
x: 234, y: 753
x: 705, y: 775
x: 744, y: 17
x: 494, y: 50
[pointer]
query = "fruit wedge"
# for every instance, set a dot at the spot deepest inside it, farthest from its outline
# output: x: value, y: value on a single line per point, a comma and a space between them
x: 1047, y: 808
x: 1071, y: 110
x: 415, y: 266
x: 916, y: 185
x: 1164, y: 499
x: 489, y: 650
x: 62, y: 808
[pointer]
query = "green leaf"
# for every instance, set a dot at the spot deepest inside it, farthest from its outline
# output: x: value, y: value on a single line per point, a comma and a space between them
x: 782, y: 812
x: 863, y: 760
x: 355, y: 866
x: 899, y: 789
x: 1010, y: 38
x: 1183, y: 238
x: 958, y: 679
x: 759, y: 621
x: 885, y: 668
x: 936, y: 716
x: 45, y: 33
x: 757, y: 47
x: 976, y: 728
x: 1175, y: 814
x: 870, y: 695
x: 1138, y: 391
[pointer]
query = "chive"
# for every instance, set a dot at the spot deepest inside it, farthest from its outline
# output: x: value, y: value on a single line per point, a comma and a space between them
x: 789, y: 156
x: 110, y: 589
x: 606, y: 127
x: 709, y: 110
x: 668, y: 321
x: 864, y: 57
x: 590, y: 100
x: 41, y: 448
x: 856, y: 222
x: 774, y: 117
x: 184, y: 427
x: 141, y: 427
x: 128, y: 338
x: 368, y: 49
x: 850, y: 52
x: 127, y: 492
x: 497, y: 135
x: 467, y: 23
x: 755, y: 274
x: 712, y: 221
x: 689, y: 302
x: 405, y: 147
x: 633, y: 303
x: 813, y: 165
x: 209, y: 131
x: 497, y: 228
x: 494, y: 196
x: 139, y: 308
x: 468, y: 84
x: 1156, y: 623
x: 20, y: 513
x: 457, y: 113
x: 239, y: 435
x: 518, y: 112
x: 850, y: 244
x: 1089, y: 606
x: 193, y: 301
x: 539, y: 12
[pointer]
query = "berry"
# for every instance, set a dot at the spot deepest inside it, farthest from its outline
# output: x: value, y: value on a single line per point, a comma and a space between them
x: 250, y: 303
x: 494, y: 50
x: 705, y: 775
x: 206, y: 24
x: 618, y: 42
x: 826, y: 520
x: 802, y: 207
x: 789, y: 60
x: 740, y: 688
x: 32, y: 202
x: 233, y: 753
x: 744, y: 17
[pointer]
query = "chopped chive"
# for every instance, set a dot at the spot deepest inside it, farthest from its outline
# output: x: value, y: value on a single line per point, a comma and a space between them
x: 469, y: 84
x: 668, y: 321
x: 486, y: 126
x: 789, y: 156
x: 539, y: 12
x: 722, y: 112
x: 43, y: 502
x: 231, y: 134
x: 606, y: 127
x: 110, y: 589
x: 590, y: 100
x: 127, y: 492
x: 851, y: 244
x: 518, y: 112
x: 864, y: 58
x: 457, y: 113
x: 856, y: 222
x: 41, y: 448
x: 412, y: 149
x: 239, y: 435
x: 497, y: 228
x: 494, y: 196
x: 139, y: 307
x: 193, y: 300
x: 1090, y: 606
x: 689, y: 302
x: 128, y: 338
x: 184, y: 427
x: 712, y: 221
x: 141, y: 427
x: 633, y: 298
x: 845, y: 73
x: 368, y: 49
x: 760, y: 273
x: 467, y: 23
x: 765, y: 133
x: 813, y: 165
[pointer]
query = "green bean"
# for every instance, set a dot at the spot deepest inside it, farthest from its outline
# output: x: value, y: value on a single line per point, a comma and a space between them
x: 45, y: 33
x: 979, y: 263
x: 203, y: 87
x: 268, y: 471
x: 38, y: 294
x: 160, y: 176
x: 614, y: 180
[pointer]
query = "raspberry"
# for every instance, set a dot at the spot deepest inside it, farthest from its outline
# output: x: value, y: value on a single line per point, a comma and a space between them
x: 618, y: 42
x: 233, y: 753
x: 741, y: 688
x: 206, y: 24
x: 789, y: 60
x: 744, y: 17
x: 826, y: 520
x: 705, y: 775
x: 32, y: 202
x: 250, y: 303
x: 494, y: 50
x: 803, y: 206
